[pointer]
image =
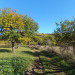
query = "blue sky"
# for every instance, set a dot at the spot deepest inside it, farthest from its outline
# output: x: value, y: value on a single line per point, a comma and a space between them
x: 45, y: 12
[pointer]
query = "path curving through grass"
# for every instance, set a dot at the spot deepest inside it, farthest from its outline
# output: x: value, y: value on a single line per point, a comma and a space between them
x: 46, y: 64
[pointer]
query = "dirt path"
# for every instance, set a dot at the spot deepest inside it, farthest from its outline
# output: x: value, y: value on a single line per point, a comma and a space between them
x: 38, y: 68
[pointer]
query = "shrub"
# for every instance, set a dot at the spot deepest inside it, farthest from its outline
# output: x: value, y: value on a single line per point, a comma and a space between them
x: 71, y: 72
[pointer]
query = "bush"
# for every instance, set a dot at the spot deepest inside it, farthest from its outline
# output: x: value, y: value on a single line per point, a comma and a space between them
x: 71, y: 72
x: 65, y: 65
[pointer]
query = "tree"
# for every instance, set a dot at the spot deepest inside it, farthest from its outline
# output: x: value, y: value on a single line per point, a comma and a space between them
x: 44, y: 39
x: 30, y: 27
x: 14, y: 26
x: 65, y: 32
x: 29, y: 30
x: 11, y: 36
x: 10, y: 23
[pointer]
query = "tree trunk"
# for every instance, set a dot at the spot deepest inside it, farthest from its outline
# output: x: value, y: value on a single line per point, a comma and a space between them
x: 13, y: 47
x: 74, y: 47
x: 18, y: 45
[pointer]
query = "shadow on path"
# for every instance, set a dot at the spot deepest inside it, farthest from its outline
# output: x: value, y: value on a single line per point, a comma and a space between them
x: 28, y: 52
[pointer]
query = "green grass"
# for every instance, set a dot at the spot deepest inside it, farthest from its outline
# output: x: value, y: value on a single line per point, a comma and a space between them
x: 15, y: 63
x: 53, y: 63
x: 46, y: 64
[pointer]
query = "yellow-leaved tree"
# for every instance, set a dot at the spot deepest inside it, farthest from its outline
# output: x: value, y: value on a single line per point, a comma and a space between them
x: 10, y: 24
x: 14, y: 26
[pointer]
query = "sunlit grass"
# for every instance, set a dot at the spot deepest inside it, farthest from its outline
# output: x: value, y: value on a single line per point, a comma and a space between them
x: 7, y: 52
x: 15, y: 63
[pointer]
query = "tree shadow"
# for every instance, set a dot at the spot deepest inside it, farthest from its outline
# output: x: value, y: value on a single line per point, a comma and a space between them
x: 32, y: 48
x: 51, y: 65
x: 5, y: 50
x: 58, y: 63
x: 28, y: 52
x: 48, y: 53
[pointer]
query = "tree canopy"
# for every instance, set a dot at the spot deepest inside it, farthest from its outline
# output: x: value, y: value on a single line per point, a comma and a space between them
x: 14, y: 26
x: 65, y: 31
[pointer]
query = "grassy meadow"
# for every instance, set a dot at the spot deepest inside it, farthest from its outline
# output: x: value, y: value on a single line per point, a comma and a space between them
x: 19, y: 62
x: 15, y: 63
